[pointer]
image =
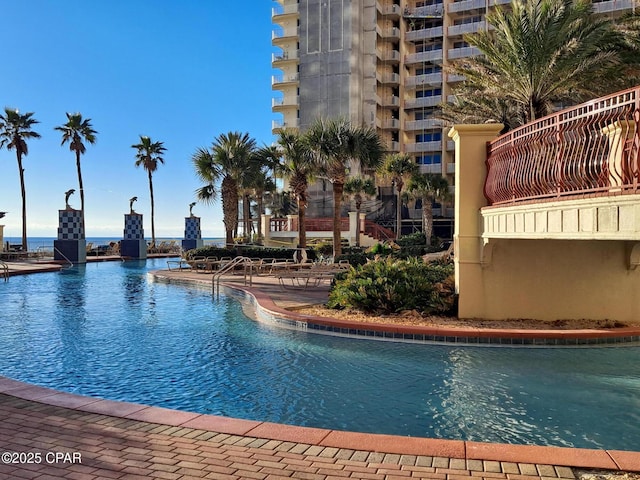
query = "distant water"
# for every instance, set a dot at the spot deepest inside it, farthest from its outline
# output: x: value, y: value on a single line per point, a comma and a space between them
x: 39, y: 242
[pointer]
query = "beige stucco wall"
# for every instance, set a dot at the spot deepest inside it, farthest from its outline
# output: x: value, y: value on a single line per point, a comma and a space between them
x: 545, y: 273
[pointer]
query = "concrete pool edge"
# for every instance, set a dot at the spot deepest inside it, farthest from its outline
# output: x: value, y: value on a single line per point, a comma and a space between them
x: 614, y: 460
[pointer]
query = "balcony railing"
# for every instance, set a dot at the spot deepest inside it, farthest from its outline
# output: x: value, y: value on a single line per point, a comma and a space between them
x: 423, y: 34
x: 588, y: 150
x: 423, y: 102
x: 466, y: 5
x: 463, y: 52
x: 473, y: 27
x: 430, y: 56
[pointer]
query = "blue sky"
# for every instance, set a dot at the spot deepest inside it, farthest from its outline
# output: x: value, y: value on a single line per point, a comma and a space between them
x: 179, y: 71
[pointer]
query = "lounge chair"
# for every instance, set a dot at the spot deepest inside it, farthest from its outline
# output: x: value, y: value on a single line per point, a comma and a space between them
x: 437, y: 256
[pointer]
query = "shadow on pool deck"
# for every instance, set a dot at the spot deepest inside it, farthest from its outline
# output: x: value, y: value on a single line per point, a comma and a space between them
x: 129, y: 441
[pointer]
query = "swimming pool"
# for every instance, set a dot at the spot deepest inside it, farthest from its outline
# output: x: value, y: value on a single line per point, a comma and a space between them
x: 107, y: 330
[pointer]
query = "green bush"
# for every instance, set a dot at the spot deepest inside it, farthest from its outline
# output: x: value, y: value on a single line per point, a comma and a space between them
x: 354, y: 259
x: 245, y: 251
x: 389, y: 286
x: 413, y: 239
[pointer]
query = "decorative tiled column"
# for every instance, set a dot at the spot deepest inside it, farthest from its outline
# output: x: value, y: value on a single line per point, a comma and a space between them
x: 192, y: 233
x: 71, y: 244
x: 133, y: 244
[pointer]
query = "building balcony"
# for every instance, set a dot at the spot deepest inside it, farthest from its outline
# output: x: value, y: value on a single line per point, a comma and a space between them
x: 281, y: 13
x: 279, y: 125
x: 467, y: 5
x: 423, y: 34
x: 452, y: 77
x: 427, y: 11
x: 423, y: 147
x: 393, y: 11
x: 282, y: 36
x: 388, y: 78
x: 451, y: 168
x: 423, y: 102
x: 419, y: 80
x: 389, y: 124
x: 457, y: 30
x: 433, y: 168
x: 394, y: 146
x: 280, y: 81
x: 388, y: 55
x: 462, y: 52
x: 613, y: 6
x: 388, y: 101
x: 389, y: 33
x: 284, y: 58
x: 426, y: 124
x: 430, y: 56
x: 279, y: 104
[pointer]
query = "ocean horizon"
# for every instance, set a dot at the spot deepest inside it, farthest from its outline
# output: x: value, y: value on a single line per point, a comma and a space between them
x: 39, y: 242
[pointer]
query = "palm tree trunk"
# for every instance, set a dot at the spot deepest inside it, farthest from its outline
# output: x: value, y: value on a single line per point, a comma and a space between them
x: 260, y: 213
x: 23, y: 191
x: 229, y: 208
x: 338, y: 189
x: 302, y: 230
x: 427, y: 219
x: 398, y: 211
x: 358, y: 199
x: 81, y: 187
x: 153, y: 225
x: 246, y: 213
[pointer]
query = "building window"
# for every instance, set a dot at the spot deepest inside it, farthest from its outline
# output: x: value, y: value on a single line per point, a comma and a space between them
x: 429, y: 137
x: 428, y: 69
x: 433, y: 92
x: 429, y: 159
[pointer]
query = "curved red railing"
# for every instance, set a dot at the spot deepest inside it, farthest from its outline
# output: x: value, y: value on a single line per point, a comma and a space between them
x: 587, y: 150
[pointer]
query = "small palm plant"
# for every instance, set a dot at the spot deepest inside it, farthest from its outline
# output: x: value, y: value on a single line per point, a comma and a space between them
x: 399, y: 167
x: 429, y: 188
x: 358, y: 187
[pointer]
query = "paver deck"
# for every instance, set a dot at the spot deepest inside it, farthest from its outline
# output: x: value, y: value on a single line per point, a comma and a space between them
x: 117, y: 440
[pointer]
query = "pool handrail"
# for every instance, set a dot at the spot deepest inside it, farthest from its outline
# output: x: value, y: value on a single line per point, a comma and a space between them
x: 246, y: 261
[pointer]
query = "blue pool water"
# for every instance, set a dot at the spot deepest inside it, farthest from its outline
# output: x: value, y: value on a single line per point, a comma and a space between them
x: 107, y: 330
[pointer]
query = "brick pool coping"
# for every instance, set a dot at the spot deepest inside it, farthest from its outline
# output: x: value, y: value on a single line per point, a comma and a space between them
x: 490, y: 455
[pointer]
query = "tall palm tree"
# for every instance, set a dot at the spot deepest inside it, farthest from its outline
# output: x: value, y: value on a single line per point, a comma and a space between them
x: 342, y: 148
x: 75, y: 131
x: 229, y: 157
x: 541, y: 52
x: 299, y: 166
x: 15, y: 130
x: 149, y: 155
x: 358, y: 187
x: 399, y: 167
x: 429, y: 188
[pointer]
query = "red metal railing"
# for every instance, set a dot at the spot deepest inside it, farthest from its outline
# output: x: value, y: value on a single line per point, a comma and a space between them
x: 588, y: 150
x: 378, y: 231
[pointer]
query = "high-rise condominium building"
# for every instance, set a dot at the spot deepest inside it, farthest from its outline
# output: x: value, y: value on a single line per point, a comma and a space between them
x: 378, y: 63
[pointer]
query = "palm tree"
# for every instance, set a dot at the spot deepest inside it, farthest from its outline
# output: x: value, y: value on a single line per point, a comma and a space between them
x: 342, y: 148
x: 399, y: 167
x: 149, y: 155
x: 357, y: 187
x: 429, y: 188
x: 267, y: 160
x: 229, y: 157
x: 15, y: 130
x: 75, y: 131
x: 543, y: 52
x: 299, y: 166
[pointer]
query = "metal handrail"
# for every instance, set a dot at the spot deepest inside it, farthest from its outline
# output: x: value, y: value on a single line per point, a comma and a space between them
x: 63, y: 256
x: 5, y: 271
x: 246, y: 261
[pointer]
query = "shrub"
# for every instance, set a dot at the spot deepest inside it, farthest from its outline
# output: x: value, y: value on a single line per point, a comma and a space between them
x: 245, y: 251
x: 413, y: 239
x: 354, y: 259
x: 388, y: 286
